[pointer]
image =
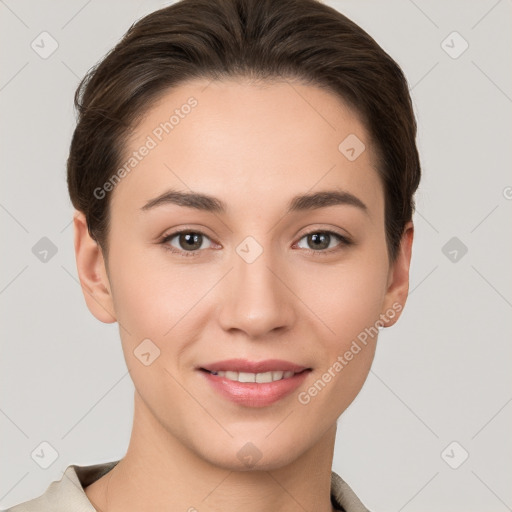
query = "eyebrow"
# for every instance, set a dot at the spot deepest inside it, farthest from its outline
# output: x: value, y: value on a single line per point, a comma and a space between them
x: 298, y: 203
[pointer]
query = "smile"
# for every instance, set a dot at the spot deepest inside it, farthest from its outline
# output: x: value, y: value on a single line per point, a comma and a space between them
x: 255, y: 377
x: 254, y: 383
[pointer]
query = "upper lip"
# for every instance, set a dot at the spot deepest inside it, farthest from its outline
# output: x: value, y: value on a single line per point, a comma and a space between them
x: 244, y: 365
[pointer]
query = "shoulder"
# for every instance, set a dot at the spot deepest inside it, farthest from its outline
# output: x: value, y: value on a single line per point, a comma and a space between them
x: 60, y: 496
x: 39, y: 504
x: 344, y: 497
x: 67, y: 493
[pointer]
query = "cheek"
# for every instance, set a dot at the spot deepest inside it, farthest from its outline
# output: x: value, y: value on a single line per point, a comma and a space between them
x: 148, y: 299
x: 347, y: 303
x: 158, y: 299
x: 155, y: 303
x: 346, y: 298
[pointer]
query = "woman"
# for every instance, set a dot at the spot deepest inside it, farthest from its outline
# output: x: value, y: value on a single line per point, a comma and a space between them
x: 243, y: 174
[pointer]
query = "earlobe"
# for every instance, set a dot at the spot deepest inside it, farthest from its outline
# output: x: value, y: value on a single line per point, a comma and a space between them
x: 92, y: 272
x: 398, y: 282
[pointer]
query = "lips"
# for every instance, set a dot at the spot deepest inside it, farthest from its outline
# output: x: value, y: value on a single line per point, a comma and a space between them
x: 254, y: 384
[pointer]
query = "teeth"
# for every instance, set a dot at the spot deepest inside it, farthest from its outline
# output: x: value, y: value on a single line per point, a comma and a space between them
x: 246, y: 377
x: 230, y: 375
x: 255, y: 377
x: 264, y: 377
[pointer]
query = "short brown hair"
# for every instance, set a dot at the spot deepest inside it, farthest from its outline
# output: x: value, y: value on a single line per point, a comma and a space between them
x: 259, y: 39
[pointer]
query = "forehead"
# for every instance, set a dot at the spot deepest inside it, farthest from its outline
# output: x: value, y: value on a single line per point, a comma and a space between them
x: 242, y: 142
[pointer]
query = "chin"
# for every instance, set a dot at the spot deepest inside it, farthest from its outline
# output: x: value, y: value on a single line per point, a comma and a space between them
x: 245, y: 455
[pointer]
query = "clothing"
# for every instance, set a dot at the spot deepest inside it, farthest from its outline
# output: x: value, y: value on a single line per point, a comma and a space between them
x: 68, y: 495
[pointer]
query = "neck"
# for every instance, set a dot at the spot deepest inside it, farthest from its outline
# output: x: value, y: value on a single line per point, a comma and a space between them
x: 159, y: 473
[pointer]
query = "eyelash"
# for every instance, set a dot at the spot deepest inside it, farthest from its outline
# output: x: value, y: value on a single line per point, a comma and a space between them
x: 344, y: 242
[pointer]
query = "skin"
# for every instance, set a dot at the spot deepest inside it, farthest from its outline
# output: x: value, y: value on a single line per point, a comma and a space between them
x: 254, y: 147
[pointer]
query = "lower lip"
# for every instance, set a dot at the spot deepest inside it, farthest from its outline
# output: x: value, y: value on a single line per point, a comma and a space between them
x: 252, y: 394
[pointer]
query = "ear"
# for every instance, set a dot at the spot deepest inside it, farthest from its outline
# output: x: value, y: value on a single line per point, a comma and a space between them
x: 92, y: 272
x: 398, y: 280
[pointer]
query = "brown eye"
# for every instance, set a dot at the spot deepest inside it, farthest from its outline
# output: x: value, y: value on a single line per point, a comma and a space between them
x: 186, y: 241
x: 323, y: 241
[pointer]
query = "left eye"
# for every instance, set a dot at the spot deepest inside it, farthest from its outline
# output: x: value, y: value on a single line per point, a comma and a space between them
x: 321, y: 240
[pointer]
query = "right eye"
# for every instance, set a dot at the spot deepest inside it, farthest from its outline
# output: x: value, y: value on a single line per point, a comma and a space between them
x: 185, y: 242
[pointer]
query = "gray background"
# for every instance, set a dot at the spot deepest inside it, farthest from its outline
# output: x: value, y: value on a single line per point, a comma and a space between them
x: 442, y: 374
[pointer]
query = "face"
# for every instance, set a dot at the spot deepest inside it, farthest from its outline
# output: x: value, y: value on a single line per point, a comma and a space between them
x: 248, y: 267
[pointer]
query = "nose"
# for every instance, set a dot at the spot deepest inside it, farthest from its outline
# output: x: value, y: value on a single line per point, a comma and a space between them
x: 257, y: 299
